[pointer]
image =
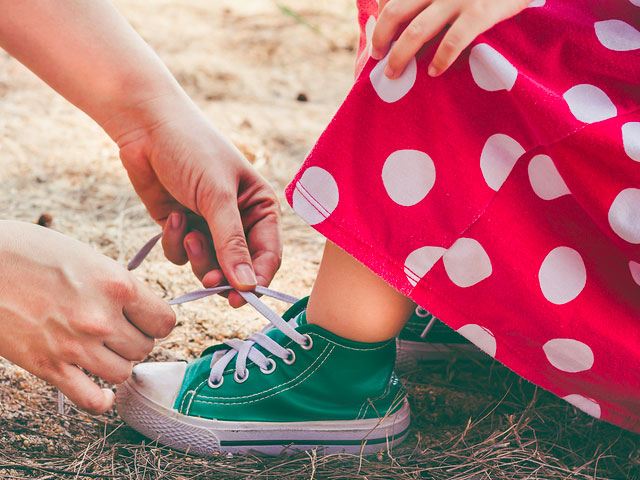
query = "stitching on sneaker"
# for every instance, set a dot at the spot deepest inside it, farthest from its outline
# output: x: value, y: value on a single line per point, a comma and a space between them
x: 184, y: 399
x: 368, y: 401
x: 275, y: 393
x: 201, y: 385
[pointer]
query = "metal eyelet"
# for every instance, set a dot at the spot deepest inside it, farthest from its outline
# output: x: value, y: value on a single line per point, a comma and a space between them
x: 270, y: 369
x: 291, y: 358
x: 242, y: 379
x: 218, y: 384
x: 309, y: 344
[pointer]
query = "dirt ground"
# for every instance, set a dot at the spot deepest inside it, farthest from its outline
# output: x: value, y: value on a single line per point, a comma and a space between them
x: 248, y: 64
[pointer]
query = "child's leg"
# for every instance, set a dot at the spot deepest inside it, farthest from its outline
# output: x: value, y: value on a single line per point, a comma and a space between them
x: 352, y: 302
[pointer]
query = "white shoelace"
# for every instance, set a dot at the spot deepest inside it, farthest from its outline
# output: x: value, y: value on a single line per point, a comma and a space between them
x: 243, y: 350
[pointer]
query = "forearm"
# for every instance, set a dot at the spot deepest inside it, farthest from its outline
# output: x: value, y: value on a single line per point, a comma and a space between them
x: 87, y: 52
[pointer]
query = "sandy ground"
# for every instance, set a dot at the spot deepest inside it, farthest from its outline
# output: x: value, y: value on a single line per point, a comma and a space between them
x: 245, y: 64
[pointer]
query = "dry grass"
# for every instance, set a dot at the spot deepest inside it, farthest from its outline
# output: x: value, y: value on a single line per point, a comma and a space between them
x: 246, y: 63
x: 471, y: 421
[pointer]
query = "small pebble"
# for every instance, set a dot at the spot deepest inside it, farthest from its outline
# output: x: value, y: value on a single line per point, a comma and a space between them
x: 45, y: 220
x: 302, y: 97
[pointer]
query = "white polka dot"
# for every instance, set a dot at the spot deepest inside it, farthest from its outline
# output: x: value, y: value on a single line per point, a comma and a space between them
x: 617, y: 35
x: 316, y: 195
x: 624, y: 215
x: 368, y: 33
x: 585, y: 404
x: 466, y: 262
x: 480, y: 337
x: 369, y: 28
x: 537, y: 3
x: 420, y: 261
x: 634, y: 267
x: 393, y: 90
x: 568, y: 355
x: 589, y: 104
x: 631, y: 140
x: 498, y: 158
x: 490, y: 70
x: 545, y: 178
x: 562, y: 275
x: 408, y: 175
x: 635, y: 2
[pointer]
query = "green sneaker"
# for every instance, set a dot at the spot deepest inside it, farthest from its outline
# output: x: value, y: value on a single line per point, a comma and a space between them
x: 293, y: 386
x: 425, y: 338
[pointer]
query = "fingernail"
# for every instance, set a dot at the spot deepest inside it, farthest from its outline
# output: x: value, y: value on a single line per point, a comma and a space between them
x: 109, y: 393
x: 245, y: 274
x: 176, y: 221
x: 377, y: 54
x: 388, y: 71
x: 432, y: 71
x: 194, y: 245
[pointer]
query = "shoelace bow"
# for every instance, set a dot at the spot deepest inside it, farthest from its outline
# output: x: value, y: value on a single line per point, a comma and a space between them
x: 242, y: 349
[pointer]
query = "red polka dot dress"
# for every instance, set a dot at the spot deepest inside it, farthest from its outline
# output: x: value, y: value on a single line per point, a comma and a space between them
x: 504, y: 196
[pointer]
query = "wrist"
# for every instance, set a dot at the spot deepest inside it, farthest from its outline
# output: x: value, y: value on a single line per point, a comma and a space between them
x: 142, y: 112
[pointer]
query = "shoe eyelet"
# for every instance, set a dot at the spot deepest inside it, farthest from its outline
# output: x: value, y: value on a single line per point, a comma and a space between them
x: 270, y: 369
x: 309, y: 344
x: 217, y: 384
x: 240, y: 379
x: 291, y: 358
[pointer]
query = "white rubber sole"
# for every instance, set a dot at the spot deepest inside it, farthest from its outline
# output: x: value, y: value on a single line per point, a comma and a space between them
x: 201, y: 436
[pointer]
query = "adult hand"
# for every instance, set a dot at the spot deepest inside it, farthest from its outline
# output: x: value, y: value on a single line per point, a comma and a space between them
x: 467, y: 19
x: 176, y: 159
x: 216, y: 210
x: 64, y: 306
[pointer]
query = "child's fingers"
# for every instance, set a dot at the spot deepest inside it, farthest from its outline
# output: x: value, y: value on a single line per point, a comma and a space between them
x: 201, y: 254
x: 381, y: 5
x: 474, y: 19
x: 463, y: 31
x: 174, y: 231
x: 392, y: 16
x: 423, y: 28
x: 82, y: 391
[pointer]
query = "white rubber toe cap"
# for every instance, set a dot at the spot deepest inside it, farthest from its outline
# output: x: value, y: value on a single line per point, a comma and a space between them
x: 159, y: 381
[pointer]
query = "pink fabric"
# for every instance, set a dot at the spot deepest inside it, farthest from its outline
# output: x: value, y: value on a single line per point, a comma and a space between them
x: 504, y: 196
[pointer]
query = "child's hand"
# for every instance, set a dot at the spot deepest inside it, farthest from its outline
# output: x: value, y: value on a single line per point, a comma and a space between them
x: 467, y: 20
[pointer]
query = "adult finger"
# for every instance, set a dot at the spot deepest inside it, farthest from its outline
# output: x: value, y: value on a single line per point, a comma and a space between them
x: 174, y: 231
x: 392, y: 16
x: 146, y: 311
x: 129, y: 342
x: 107, y: 365
x: 230, y: 243
x: 422, y: 28
x: 265, y: 244
x: 201, y: 254
x: 82, y: 391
